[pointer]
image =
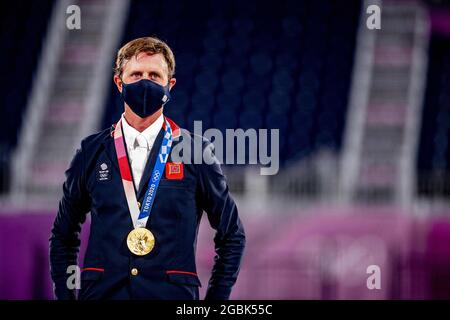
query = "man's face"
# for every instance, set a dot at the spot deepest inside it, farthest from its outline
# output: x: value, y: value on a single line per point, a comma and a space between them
x: 145, y: 66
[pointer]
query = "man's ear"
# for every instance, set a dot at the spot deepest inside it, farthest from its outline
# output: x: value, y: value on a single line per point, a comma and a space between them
x: 172, y: 82
x: 118, y: 83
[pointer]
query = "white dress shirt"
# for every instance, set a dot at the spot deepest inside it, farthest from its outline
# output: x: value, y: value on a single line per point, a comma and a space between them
x: 139, y: 145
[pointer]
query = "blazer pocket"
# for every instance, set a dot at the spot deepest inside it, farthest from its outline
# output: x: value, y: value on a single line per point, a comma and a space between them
x: 183, y: 277
x: 92, y: 274
x: 182, y: 184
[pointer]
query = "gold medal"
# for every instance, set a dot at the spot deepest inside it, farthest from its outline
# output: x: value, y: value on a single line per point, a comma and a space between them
x: 140, y: 241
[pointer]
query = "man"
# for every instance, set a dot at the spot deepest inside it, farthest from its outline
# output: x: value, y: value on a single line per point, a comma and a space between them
x: 145, y: 208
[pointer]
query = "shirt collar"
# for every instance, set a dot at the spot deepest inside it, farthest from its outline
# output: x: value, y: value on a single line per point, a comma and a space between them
x: 150, y: 133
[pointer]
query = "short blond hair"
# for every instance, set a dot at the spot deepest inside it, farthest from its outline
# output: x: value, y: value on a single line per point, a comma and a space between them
x: 146, y: 44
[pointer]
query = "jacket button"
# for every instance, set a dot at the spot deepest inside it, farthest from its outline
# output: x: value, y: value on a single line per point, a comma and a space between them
x: 139, y: 205
x: 134, y: 272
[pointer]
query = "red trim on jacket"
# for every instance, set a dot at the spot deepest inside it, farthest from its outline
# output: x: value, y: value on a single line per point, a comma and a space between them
x: 94, y: 269
x: 181, y: 272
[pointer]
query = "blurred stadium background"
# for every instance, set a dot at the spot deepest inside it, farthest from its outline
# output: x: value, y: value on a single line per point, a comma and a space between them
x: 364, y: 119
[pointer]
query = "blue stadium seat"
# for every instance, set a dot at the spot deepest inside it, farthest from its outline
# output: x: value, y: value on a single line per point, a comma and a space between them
x: 257, y: 64
x: 23, y: 25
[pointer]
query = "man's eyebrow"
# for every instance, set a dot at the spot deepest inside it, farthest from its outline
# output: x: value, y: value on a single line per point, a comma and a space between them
x: 150, y: 72
x: 156, y: 72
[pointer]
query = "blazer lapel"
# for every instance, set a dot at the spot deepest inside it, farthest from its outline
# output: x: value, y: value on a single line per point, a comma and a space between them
x: 110, y: 149
x: 150, y: 165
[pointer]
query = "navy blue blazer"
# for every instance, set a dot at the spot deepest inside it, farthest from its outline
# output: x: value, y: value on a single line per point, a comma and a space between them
x: 110, y: 271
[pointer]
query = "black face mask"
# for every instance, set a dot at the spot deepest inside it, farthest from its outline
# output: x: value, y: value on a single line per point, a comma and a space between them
x: 145, y: 97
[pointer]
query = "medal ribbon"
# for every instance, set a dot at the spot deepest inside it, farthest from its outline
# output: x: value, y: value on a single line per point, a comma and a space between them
x: 140, y: 217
